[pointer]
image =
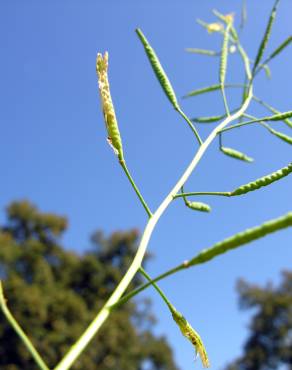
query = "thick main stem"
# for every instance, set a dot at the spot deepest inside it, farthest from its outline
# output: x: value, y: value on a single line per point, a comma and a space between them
x: 101, y: 317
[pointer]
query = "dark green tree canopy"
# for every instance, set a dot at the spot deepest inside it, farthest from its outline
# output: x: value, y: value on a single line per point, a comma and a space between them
x: 269, y: 345
x: 54, y: 293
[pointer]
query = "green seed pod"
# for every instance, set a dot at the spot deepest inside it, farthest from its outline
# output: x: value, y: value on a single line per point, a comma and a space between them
x: 208, y: 119
x: 235, y: 154
x: 198, y: 206
x: 280, y: 135
x: 278, y: 117
x: 158, y: 70
x: 190, y: 333
x: 114, y: 137
x: 272, y: 109
x: 224, y: 54
x: 279, y: 49
x: 266, y: 37
x: 210, y: 53
x: 242, y: 238
x: 263, y: 181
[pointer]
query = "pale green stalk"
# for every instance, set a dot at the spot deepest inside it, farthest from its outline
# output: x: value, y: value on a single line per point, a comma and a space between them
x: 125, y: 168
x: 101, y: 317
x: 25, y: 340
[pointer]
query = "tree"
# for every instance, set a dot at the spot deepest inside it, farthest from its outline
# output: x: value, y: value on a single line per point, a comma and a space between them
x: 269, y: 345
x: 54, y: 293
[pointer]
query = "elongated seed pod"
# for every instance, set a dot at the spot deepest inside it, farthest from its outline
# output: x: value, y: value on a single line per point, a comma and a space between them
x: 191, y: 334
x: 198, y: 206
x: 242, y: 238
x: 243, y: 14
x: 236, y: 154
x: 208, y: 119
x: 158, y: 70
x: 114, y: 137
x: 223, y: 63
x: 210, y: 88
x: 280, y: 135
x: 272, y: 109
x: 263, y: 181
x: 224, y: 54
x: 211, y: 53
x: 266, y: 37
x: 279, y: 49
x: 277, y: 117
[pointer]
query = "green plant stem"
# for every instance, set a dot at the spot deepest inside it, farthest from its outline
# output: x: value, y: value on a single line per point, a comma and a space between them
x: 124, y: 166
x: 192, y: 127
x: 156, y: 287
x: 240, y: 125
x: 217, y: 249
x: 28, y: 344
x: 101, y: 317
x: 219, y: 193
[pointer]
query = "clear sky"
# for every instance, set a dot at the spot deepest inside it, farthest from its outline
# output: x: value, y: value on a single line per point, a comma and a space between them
x: 53, y: 147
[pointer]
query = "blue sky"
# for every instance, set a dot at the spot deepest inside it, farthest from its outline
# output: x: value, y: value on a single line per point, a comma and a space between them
x: 53, y: 144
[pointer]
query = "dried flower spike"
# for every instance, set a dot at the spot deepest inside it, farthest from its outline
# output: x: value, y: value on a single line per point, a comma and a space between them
x: 190, y: 333
x: 114, y: 137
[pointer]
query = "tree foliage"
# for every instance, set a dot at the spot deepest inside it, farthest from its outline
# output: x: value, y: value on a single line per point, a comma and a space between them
x: 269, y: 345
x: 54, y: 293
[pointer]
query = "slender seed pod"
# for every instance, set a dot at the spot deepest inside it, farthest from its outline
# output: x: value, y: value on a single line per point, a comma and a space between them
x: 158, y: 70
x: 263, y: 181
x: 210, y: 88
x: 280, y: 135
x: 266, y: 37
x: 277, y: 117
x: 272, y: 109
x: 243, y: 17
x: 224, y: 53
x: 114, y: 137
x: 191, y: 334
x: 235, y: 154
x: 210, y: 53
x: 279, y: 49
x: 208, y: 119
x: 242, y: 238
x: 198, y: 206
x: 223, y: 63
